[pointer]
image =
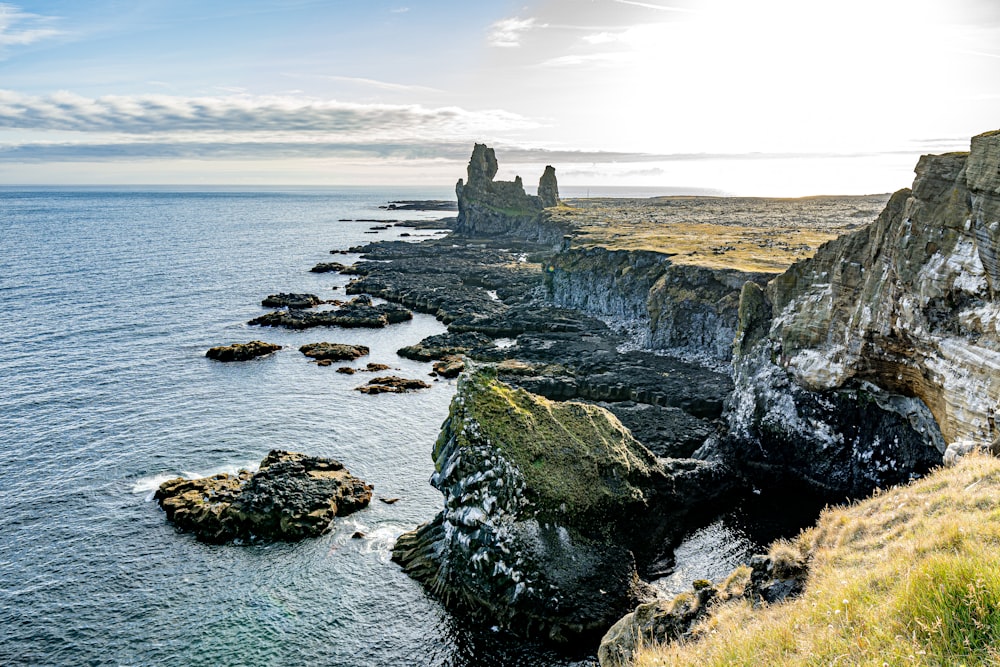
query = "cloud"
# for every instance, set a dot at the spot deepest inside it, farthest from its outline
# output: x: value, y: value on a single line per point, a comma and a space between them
x: 165, y: 114
x: 20, y: 28
x: 575, y: 60
x: 507, y: 33
x: 399, y: 10
x: 383, y: 85
x: 649, y: 5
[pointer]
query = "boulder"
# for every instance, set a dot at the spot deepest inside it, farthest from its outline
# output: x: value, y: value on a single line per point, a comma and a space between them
x: 241, y: 351
x: 290, y: 497
x: 333, y: 351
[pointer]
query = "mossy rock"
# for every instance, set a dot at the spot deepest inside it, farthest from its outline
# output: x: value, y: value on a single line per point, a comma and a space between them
x: 579, y: 463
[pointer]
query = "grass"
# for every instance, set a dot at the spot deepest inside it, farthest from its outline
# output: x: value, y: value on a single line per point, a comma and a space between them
x: 908, y: 577
x: 742, y: 233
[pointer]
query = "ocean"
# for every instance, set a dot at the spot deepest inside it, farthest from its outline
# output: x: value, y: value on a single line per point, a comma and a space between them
x: 111, y: 297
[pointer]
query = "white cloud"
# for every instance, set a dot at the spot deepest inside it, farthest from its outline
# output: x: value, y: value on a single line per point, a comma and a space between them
x: 603, y: 38
x: 507, y: 33
x: 163, y: 114
x: 399, y: 10
x: 649, y: 5
x: 20, y: 28
x: 577, y: 60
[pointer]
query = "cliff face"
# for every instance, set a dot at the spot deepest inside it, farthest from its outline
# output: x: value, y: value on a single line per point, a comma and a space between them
x: 502, y: 208
x: 687, y: 310
x: 884, y: 347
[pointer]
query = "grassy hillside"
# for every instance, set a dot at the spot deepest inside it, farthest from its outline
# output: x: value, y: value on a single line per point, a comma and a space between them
x: 908, y: 577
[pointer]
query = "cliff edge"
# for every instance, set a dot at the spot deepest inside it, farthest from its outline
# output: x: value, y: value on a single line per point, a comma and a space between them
x: 857, y: 367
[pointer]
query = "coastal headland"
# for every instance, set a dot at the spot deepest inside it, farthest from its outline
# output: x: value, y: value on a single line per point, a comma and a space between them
x: 631, y: 368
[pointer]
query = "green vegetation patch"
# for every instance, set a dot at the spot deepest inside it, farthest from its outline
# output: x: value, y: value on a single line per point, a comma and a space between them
x: 577, y: 460
x: 910, y: 576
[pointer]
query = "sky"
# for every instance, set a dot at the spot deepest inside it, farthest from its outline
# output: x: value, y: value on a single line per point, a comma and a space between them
x: 753, y: 97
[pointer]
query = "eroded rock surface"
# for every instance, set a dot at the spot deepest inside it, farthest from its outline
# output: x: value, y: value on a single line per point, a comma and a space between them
x: 856, y: 367
x: 391, y: 384
x: 333, y: 351
x: 291, y: 496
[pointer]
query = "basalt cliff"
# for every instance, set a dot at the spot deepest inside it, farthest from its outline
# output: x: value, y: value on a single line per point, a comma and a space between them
x: 858, y: 367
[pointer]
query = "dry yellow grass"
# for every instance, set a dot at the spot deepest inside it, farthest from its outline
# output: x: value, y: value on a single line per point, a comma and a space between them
x: 909, y: 577
x: 745, y: 233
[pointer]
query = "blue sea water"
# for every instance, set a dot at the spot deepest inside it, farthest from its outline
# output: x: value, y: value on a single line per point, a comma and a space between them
x: 110, y: 300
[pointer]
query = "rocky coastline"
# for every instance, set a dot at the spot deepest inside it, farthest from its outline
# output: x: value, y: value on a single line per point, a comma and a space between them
x: 620, y: 384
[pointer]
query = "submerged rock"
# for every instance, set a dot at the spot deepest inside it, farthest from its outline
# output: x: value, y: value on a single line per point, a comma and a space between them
x: 333, y: 351
x: 290, y: 497
x: 542, y: 502
x: 241, y: 351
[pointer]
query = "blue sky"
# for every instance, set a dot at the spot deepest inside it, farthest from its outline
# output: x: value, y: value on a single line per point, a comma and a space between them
x: 751, y: 97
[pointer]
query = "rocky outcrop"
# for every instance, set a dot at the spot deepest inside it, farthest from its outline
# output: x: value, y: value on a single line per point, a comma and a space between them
x: 391, y: 384
x: 290, y: 497
x: 683, y: 309
x: 291, y: 300
x: 333, y: 351
x: 242, y: 351
x: 450, y: 367
x: 328, y: 267
x: 767, y: 579
x: 359, y: 312
x: 545, y: 504
x: 856, y: 367
x: 446, y: 345
x: 502, y: 208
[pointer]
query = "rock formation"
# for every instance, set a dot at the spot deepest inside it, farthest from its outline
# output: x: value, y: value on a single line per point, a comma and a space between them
x: 290, y: 497
x: 359, y: 312
x: 856, y: 368
x: 241, y: 351
x: 544, y: 503
x: 490, y: 208
x: 391, y: 384
x: 285, y: 300
x: 333, y: 351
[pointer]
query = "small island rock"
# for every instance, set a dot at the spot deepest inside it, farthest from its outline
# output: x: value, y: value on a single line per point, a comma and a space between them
x: 290, y: 497
x: 241, y: 351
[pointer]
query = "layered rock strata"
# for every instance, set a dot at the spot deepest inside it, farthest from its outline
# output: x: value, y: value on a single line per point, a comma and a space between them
x: 685, y: 309
x: 857, y: 367
x: 291, y: 496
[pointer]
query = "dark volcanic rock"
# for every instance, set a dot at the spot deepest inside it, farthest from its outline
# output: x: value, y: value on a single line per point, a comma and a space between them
x: 666, y: 431
x: 391, y: 384
x: 333, y: 351
x: 445, y: 345
x: 328, y: 267
x: 242, y: 351
x: 544, y: 506
x: 290, y: 497
x: 284, y: 300
x: 548, y: 188
x: 359, y: 312
x: 422, y: 205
